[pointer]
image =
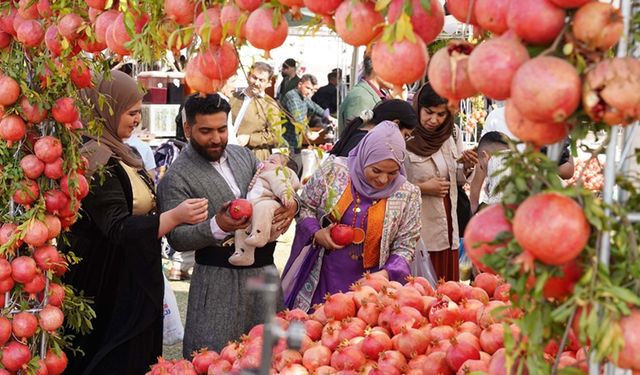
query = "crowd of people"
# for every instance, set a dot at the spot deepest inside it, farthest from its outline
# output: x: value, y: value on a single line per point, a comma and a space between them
x: 395, y: 177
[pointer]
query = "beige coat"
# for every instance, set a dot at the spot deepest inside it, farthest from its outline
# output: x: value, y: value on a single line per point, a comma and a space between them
x: 434, y: 220
x: 260, y: 122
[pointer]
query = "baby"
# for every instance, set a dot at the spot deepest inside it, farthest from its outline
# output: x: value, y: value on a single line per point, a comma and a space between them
x: 274, y: 186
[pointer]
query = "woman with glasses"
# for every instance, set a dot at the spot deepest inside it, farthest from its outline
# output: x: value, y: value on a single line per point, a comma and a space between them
x: 397, y: 111
x: 368, y: 193
x: 437, y: 164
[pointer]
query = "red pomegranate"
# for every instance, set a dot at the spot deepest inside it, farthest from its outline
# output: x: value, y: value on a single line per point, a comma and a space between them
x: 181, y: 11
x: 50, y: 318
x: 209, y: 23
x: 219, y: 62
x: 322, y: 7
x: 5, y: 40
x: 611, y: 91
x: 15, y: 355
x: 54, y: 170
x: 44, y: 8
x: 80, y: 75
x: 462, y: 11
x: 91, y: 46
x: 119, y: 31
x: 56, y: 294
x: 198, y: 81
x: 493, y: 64
x: 538, y: 133
x: 33, y: 113
x: 54, y: 226
x: 492, y: 15
x: 358, y: 23
x: 342, y: 235
x: 113, y: 44
x: 536, y: 22
x: 69, y: 25
x: 401, y: 62
x: 546, y: 89
x: 9, y: 90
x: 240, y: 209
x: 52, y: 40
x: 426, y: 23
x: 628, y: 357
x: 24, y: 325
x: 262, y: 33
x: 27, y: 192
x: 448, y: 71
x: 249, y: 5
x: 48, y: 148
x: 36, y: 233
x: 559, y: 287
x: 482, y: 229
x: 32, y: 167
x: 65, y: 111
x: 12, y: 129
x: 56, y: 362
x: 75, y: 183
x: 96, y: 4
x: 598, y: 25
x: 552, y: 227
x: 5, y: 330
x: 102, y: 23
x: 233, y: 20
x: 568, y: 4
x: 30, y: 33
x: 28, y: 9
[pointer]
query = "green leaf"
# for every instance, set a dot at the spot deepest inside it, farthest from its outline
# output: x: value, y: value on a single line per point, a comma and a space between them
x: 382, y: 5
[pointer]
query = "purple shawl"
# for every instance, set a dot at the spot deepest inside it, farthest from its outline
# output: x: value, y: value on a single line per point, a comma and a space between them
x: 383, y: 142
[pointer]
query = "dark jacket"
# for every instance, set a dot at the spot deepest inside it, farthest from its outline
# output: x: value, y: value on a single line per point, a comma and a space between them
x: 121, y: 271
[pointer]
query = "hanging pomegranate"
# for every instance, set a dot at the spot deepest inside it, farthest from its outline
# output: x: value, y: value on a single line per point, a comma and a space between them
x: 358, y: 23
x: 462, y: 11
x: 552, y: 227
x: 401, y: 62
x: 492, y: 15
x: 536, y: 22
x: 219, y: 62
x: 208, y: 23
x: 493, y: 63
x: 483, y: 229
x: 598, y: 25
x: 426, y: 23
x: 611, y: 91
x: 546, y: 89
x: 448, y: 73
x: 538, y: 133
x: 322, y: 7
x: 262, y: 33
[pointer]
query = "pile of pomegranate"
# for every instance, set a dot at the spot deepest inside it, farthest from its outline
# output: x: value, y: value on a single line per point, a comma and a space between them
x: 384, y: 327
x: 590, y: 172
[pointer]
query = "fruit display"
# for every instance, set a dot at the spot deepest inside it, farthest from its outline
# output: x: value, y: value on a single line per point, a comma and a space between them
x: 384, y: 327
x: 589, y: 172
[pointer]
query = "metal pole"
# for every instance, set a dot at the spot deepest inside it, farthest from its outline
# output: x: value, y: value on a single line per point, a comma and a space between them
x: 610, y: 172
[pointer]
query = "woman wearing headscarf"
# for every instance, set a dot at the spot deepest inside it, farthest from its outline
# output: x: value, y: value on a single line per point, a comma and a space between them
x: 395, y: 110
x: 437, y: 164
x: 367, y: 191
x: 118, y: 240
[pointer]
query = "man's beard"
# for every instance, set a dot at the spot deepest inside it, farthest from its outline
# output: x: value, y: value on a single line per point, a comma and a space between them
x: 209, y: 155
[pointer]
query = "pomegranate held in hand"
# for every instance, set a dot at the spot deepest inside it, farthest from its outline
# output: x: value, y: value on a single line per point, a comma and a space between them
x: 240, y: 209
x: 342, y: 234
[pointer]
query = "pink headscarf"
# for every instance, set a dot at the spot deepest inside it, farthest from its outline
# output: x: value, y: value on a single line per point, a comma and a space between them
x: 383, y: 142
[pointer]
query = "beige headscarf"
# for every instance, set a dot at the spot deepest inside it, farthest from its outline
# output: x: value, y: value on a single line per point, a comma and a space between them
x: 120, y: 93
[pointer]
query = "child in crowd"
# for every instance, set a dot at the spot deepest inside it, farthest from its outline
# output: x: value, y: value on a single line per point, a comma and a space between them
x: 273, y: 186
x: 491, y: 150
